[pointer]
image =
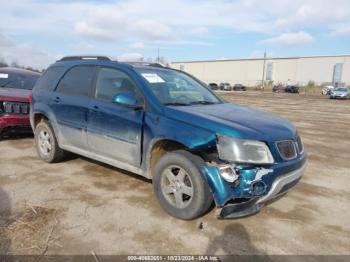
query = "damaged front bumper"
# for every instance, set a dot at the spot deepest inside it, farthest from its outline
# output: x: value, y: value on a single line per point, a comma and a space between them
x: 279, y: 187
x: 240, y: 200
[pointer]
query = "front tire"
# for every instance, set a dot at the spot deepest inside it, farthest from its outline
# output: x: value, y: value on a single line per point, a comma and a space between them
x: 179, y: 185
x: 46, y: 143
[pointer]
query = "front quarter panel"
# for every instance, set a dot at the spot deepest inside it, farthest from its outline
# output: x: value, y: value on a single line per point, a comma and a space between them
x: 158, y: 127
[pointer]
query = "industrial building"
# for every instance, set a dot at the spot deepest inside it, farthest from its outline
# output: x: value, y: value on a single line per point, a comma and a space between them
x: 250, y: 72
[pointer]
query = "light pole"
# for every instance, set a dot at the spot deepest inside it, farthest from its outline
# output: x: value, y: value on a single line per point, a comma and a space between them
x: 263, y: 74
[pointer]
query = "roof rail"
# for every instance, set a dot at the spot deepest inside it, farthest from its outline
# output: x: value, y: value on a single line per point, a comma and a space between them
x: 141, y: 63
x: 158, y: 64
x: 85, y: 57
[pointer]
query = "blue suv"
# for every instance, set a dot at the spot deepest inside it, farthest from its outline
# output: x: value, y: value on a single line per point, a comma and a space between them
x: 167, y: 126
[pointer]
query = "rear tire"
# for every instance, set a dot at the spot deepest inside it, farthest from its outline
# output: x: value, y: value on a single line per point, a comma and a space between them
x: 180, y: 187
x: 46, y: 143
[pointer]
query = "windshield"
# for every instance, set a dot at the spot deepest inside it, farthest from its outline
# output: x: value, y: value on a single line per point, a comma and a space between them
x: 176, y: 88
x: 15, y: 80
x: 343, y: 89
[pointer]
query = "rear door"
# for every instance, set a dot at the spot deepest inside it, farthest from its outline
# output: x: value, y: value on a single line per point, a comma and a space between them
x: 70, y: 103
x: 115, y: 131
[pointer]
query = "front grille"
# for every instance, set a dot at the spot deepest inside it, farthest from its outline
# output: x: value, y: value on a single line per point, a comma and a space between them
x: 16, y: 108
x: 287, y: 149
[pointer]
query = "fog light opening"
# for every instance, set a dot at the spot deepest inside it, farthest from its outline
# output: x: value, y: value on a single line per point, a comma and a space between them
x: 258, y: 188
x: 228, y: 173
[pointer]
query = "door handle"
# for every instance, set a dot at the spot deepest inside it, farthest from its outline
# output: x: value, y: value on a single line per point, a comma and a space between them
x: 95, y: 108
x: 57, y: 99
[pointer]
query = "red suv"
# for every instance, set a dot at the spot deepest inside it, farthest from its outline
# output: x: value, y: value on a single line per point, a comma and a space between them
x: 15, y: 91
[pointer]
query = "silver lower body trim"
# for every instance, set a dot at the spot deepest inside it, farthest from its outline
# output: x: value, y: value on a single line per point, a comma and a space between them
x: 282, y: 181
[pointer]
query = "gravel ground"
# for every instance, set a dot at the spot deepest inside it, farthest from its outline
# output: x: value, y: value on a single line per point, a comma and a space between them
x: 81, y: 206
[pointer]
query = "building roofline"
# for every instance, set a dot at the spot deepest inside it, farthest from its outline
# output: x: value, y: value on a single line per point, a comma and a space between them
x: 261, y: 58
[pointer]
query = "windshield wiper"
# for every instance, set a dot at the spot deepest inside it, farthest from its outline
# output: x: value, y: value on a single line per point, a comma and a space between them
x: 4, y: 85
x: 176, y: 104
x: 202, y: 103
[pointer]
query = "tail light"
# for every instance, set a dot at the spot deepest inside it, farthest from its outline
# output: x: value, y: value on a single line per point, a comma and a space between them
x: 31, y: 97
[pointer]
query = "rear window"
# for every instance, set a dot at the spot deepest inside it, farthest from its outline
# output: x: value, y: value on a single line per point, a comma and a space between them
x: 51, y: 75
x: 17, y: 80
x: 77, y: 81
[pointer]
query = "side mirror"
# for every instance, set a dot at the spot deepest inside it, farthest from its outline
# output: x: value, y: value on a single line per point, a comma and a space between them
x: 126, y: 99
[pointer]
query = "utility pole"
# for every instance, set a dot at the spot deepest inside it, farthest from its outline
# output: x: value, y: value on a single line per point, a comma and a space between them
x: 158, y: 56
x: 263, y: 75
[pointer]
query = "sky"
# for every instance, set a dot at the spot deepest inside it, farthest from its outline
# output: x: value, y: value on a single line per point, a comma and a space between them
x: 38, y: 32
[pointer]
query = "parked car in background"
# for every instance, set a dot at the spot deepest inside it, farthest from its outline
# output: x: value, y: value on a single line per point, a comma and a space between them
x: 340, y: 92
x: 327, y: 90
x: 285, y: 89
x: 225, y: 87
x: 292, y: 89
x: 15, y: 91
x: 278, y: 88
x: 239, y: 87
x: 213, y: 86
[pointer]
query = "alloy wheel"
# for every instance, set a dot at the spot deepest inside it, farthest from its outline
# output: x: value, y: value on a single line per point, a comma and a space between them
x: 177, y: 186
x: 44, y: 141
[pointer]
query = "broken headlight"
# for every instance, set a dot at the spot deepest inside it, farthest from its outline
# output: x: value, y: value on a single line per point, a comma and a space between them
x: 243, y: 151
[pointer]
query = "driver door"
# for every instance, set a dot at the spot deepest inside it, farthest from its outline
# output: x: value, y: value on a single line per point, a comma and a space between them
x: 114, y: 131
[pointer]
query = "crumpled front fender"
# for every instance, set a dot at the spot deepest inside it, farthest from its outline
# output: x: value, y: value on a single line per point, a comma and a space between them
x: 224, y: 191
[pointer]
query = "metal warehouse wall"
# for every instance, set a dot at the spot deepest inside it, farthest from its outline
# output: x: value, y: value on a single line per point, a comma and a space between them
x: 300, y: 70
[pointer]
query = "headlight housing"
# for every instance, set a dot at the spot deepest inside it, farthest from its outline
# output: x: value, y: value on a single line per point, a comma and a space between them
x: 243, y: 151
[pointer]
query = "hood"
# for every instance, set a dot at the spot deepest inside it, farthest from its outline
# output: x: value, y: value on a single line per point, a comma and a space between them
x: 14, y: 94
x: 236, y: 121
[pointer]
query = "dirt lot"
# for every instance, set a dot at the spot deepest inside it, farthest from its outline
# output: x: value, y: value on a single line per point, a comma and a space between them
x: 80, y: 206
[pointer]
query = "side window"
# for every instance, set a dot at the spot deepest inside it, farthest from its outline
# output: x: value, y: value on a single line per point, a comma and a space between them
x: 110, y: 82
x: 50, y: 76
x: 77, y: 81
